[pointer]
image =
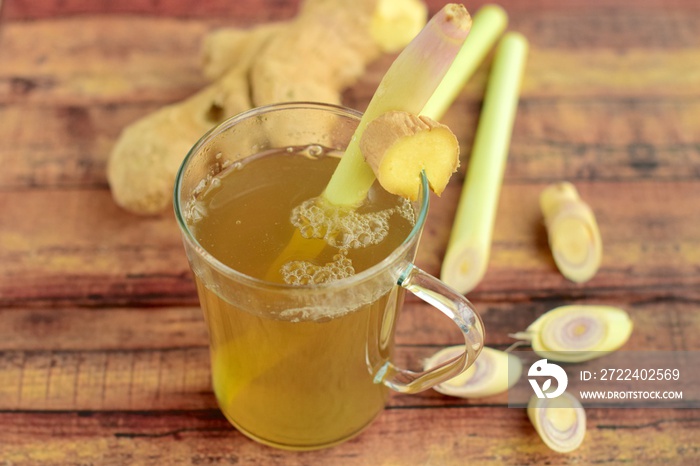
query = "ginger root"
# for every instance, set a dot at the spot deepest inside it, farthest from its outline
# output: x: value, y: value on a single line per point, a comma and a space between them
x: 400, y: 145
x: 313, y: 57
x: 222, y: 48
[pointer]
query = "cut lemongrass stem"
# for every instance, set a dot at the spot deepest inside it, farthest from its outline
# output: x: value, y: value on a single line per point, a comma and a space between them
x: 493, y: 372
x: 578, y: 332
x: 407, y: 86
x: 572, y: 231
x: 469, y: 246
x: 298, y: 248
x: 560, y: 421
x: 488, y: 24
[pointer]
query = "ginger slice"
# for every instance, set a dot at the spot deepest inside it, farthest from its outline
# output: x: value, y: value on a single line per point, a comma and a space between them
x: 573, y: 232
x: 400, y: 145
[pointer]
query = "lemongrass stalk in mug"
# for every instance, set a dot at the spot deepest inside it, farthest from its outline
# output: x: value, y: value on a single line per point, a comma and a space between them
x: 469, y: 245
x: 406, y: 86
x: 488, y: 24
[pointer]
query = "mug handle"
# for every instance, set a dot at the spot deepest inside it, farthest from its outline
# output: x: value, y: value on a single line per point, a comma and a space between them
x: 455, y: 306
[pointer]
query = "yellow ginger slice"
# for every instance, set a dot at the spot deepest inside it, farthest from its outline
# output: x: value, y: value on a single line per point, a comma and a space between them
x: 400, y: 145
x: 573, y: 232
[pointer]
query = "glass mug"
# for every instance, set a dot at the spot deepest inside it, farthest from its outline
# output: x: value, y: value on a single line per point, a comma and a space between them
x: 301, y: 366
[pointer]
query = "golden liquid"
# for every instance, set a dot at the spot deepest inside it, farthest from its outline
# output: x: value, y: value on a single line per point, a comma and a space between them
x: 297, y: 383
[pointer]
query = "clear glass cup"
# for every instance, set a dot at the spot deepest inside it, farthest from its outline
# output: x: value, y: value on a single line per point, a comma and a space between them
x: 307, y: 367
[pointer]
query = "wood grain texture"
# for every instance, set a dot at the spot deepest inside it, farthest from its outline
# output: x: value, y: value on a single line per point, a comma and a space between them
x: 142, y: 359
x: 103, y: 349
x: 76, y: 246
x: 486, y: 436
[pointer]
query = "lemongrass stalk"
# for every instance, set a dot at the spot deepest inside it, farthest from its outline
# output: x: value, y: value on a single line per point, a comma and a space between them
x: 487, y: 26
x: 407, y: 86
x: 469, y: 246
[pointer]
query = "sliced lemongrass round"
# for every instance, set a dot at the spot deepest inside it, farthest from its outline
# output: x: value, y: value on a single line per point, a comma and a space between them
x: 573, y: 233
x: 560, y: 421
x: 492, y: 373
x: 578, y: 333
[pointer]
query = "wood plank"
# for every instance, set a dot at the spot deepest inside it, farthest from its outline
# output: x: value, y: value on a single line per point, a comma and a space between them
x: 103, y: 353
x: 157, y: 358
x: 638, y: 226
x: 554, y: 139
x: 445, y: 436
x: 77, y: 246
x: 177, y: 378
x: 163, y: 51
x: 62, y: 146
x: 122, y: 59
x: 107, y: 329
x: 664, y: 325
x: 93, y: 60
x: 250, y: 9
x: 23, y: 10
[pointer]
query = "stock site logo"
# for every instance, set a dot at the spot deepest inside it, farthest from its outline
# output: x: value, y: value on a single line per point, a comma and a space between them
x: 542, y: 368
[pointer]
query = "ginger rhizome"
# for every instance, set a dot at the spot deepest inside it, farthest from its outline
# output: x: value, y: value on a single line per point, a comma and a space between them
x: 313, y: 57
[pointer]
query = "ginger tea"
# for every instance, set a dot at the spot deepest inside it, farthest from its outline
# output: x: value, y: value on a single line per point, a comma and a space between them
x: 300, y: 378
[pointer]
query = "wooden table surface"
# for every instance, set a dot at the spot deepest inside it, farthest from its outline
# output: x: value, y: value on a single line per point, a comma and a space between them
x: 103, y: 349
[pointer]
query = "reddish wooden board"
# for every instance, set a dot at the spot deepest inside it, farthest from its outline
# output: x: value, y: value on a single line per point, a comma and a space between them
x: 103, y: 350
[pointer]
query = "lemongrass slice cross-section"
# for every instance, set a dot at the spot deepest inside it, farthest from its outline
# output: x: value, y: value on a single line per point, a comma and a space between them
x: 400, y: 145
x: 576, y: 333
x: 560, y: 421
x: 573, y: 232
x: 492, y: 373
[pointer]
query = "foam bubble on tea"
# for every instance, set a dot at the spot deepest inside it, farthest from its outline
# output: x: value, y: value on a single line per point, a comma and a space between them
x: 343, y: 229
